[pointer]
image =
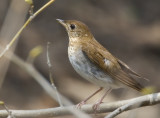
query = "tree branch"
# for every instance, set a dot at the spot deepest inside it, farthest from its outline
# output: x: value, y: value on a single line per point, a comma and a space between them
x: 24, y: 26
x: 142, y: 101
x: 42, y: 81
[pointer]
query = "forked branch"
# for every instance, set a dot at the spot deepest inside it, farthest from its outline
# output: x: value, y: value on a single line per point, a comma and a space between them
x: 142, y: 101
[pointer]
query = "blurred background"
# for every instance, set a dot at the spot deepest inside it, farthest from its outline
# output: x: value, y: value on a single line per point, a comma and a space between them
x: 129, y: 29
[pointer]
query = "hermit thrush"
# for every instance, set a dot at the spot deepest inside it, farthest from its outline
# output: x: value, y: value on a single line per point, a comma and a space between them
x: 95, y: 63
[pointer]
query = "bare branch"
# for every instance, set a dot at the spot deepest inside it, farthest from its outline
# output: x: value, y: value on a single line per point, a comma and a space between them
x: 146, y: 100
x: 51, y: 77
x: 134, y: 104
x: 24, y: 26
x: 10, y: 115
x: 46, y: 86
x: 12, y: 22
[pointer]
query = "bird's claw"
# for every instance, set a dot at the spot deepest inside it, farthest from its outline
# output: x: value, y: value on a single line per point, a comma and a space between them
x: 79, y: 105
x: 95, y: 107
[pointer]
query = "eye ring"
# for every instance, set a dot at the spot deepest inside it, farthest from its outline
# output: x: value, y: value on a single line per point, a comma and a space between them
x: 72, y: 26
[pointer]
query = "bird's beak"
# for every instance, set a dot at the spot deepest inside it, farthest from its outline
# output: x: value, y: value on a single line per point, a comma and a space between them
x: 62, y: 22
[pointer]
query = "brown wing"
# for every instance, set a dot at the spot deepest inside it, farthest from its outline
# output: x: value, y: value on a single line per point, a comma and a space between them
x: 127, y: 80
x: 127, y: 69
x: 98, y: 54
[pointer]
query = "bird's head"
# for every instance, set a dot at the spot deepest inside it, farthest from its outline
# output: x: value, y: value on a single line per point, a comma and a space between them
x: 75, y: 29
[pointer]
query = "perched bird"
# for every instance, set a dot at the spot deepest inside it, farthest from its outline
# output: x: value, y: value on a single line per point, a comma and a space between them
x: 95, y: 63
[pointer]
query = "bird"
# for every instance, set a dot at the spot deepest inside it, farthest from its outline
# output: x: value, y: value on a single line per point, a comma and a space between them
x: 95, y: 63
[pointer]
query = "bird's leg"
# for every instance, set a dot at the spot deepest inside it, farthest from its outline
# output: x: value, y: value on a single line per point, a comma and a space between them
x: 96, y: 105
x: 84, y: 101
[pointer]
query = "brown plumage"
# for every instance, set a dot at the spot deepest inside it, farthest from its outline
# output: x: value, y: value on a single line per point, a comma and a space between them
x: 94, y: 62
x: 114, y: 70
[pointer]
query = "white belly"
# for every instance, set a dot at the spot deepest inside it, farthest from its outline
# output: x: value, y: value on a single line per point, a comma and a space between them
x: 88, y: 70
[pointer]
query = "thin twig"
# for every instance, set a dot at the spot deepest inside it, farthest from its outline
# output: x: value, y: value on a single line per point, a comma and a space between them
x: 51, y: 77
x: 10, y: 115
x: 133, y: 104
x: 12, y: 22
x: 123, y: 108
x: 24, y: 26
x: 146, y: 100
x: 46, y: 86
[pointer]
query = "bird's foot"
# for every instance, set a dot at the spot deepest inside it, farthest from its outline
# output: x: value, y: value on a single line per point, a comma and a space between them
x: 95, y: 107
x: 79, y: 105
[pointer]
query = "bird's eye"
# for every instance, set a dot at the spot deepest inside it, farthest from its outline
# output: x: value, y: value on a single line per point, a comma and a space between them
x: 72, y: 26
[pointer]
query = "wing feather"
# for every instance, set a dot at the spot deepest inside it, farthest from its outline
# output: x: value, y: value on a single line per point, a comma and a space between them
x: 126, y: 68
x: 97, y: 55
